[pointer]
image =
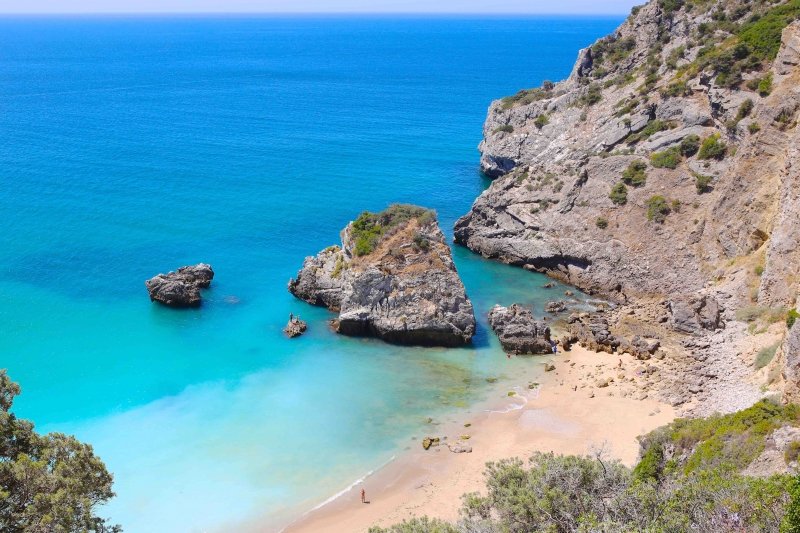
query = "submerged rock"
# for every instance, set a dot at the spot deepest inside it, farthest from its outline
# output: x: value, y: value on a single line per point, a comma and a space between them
x: 556, y: 306
x: 519, y: 332
x: 295, y: 327
x: 182, y: 287
x: 427, y: 442
x: 392, y: 278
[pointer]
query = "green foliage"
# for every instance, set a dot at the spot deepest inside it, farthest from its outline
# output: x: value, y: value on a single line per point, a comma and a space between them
x: 657, y: 209
x: 417, y: 525
x: 611, y: 51
x: 651, y: 464
x: 654, y: 126
x: 593, y: 94
x: 689, y: 145
x: 702, y: 182
x: 744, y: 109
x: 526, y: 96
x: 792, y: 452
x: 670, y: 6
x: 48, y: 483
x: 763, y: 35
x: 368, y: 229
x: 765, y: 85
x: 619, y: 194
x: 791, y: 317
x: 765, y: 355
x: 712, y: 148
x: 635, y: 174
x: 601, y: 222
x: 508, y: 128
x: 791, y: 520
x: 541, y: 121
x: 669, y: 158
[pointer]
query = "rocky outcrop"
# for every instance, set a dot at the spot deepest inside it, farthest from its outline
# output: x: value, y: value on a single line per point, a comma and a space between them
x: 295, y: 327
x: 392, y: 278
x: 519, y: 332
x: 659, y: 171
x: 791, y: 363
x: 182, y: 287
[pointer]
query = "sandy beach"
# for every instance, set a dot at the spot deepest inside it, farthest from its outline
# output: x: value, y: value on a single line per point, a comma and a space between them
x: 586, y: 403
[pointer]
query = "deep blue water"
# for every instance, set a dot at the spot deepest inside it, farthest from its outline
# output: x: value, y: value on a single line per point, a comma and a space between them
x: 132, y: 146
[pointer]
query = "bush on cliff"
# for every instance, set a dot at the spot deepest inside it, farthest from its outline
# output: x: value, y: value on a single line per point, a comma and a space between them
x: 369, y: 228
x: 669, y: 158
x: 712, y: 148
x: 635, y: 173
x: 619, y: 194
x: 48, y: 483
x: 657, y: 209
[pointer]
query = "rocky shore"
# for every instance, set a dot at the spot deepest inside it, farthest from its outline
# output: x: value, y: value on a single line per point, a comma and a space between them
x: 519, y: 332
x: 392, y: 278
x: 663, y: 175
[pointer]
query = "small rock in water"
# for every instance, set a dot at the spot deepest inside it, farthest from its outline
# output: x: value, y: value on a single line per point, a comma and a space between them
x: 549, y: 367
x: 295, y: 327
x: 556, y: 307
x: 182, y: 287
x: 427, y: 442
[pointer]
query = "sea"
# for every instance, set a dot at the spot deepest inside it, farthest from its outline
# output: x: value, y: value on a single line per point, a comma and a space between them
x: 132, y: 145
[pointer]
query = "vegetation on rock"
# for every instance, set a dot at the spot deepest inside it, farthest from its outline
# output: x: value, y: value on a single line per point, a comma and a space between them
x: 712, y: 148
x: 657, y: 209
x: 669, y: 158
x: 368, y: 229
x: 619, y: 194
x: 635, y: 173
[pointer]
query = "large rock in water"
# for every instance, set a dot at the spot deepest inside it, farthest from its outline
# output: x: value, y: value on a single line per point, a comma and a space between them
x: 182, y: 287
x: 393, y: 278
x: 519, y: 332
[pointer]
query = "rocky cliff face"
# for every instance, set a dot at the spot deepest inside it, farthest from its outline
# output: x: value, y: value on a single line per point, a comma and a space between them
x: 664, y: 169
x: 392, y: 278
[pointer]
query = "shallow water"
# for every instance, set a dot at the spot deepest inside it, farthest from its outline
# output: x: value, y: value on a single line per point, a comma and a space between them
x: 131, y: 146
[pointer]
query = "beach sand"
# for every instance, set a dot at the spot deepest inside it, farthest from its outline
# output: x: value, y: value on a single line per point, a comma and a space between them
x: 567, y: 414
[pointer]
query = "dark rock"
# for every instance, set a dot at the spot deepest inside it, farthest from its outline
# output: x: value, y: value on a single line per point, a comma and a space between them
x: 519, y: 332
x: 427, y: 442
x: 556, y: 307
x: 182, y: 287
x: 692, y: 314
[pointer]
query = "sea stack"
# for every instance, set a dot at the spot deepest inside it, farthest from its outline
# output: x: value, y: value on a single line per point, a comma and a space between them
x: 519, y: 332
x: 392, y: 278
x: 182, y: 287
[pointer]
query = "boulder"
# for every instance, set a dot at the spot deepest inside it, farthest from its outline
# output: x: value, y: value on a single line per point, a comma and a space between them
x: 519, y: 332
x: 692, y: 314
x: 427, y: 442
x: 295, y: 327
x: 556, y: 306
x: 180, y: 288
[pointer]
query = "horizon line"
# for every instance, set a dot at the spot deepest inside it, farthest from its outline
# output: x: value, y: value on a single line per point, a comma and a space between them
x: 317, y: 13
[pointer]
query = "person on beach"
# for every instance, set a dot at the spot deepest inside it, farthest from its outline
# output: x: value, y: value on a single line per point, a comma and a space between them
x: 363, y: 496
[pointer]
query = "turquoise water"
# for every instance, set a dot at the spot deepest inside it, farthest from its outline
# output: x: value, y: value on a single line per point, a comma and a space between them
x: 131, y: 146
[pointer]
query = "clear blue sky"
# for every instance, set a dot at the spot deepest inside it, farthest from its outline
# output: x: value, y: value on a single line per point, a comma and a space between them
x: 319, y: 6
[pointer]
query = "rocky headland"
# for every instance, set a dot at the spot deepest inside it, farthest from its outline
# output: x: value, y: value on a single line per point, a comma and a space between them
x: 180, y: 288
x: 393, y: 278
x: 663, y: 174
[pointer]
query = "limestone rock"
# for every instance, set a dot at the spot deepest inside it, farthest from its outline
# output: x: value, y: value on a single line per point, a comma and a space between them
x: 691, y: 314
x: 404, y: 289
x: 519, y: 332
x: 182, y: 287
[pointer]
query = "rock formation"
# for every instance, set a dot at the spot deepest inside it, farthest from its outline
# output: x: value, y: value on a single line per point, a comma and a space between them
x: 663, y: 174
x: 519, y: 332
x: 295, y: 327
x: 392, y: 278
x: 182, y: 287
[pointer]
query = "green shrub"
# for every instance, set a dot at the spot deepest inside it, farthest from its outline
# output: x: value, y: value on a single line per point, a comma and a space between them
x: 619, y: 194
x: 765, y: 85
x: 657, y: 209
x: 791, y: 520
x: 593, y: 94
x: 601, y: 222
x: 417, y: 525
x: 508, y: 128
x: 744, y: 109
x: 702, y: 182
x: 765, y: 355
x: 541, y: 121
x: 368, y: 229
x: 635, y: 173
x: 763, y: 35
x: 791, y: 317
x: 690, y: 145
x: 652, y: 127
x: 526, y: 96
x: 792, y: 451
x: 754, y: 127
x: 669, y: 158
x: 712, y: 148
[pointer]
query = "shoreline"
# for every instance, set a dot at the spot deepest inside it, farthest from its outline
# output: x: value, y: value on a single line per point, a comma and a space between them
x: 570, y: 412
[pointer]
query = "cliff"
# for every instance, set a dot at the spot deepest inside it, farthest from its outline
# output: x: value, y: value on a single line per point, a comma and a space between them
x: 663, y: 174
x: 392, y: 278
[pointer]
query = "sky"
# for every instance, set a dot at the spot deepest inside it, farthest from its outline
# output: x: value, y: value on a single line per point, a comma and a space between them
x: 320, y: 6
